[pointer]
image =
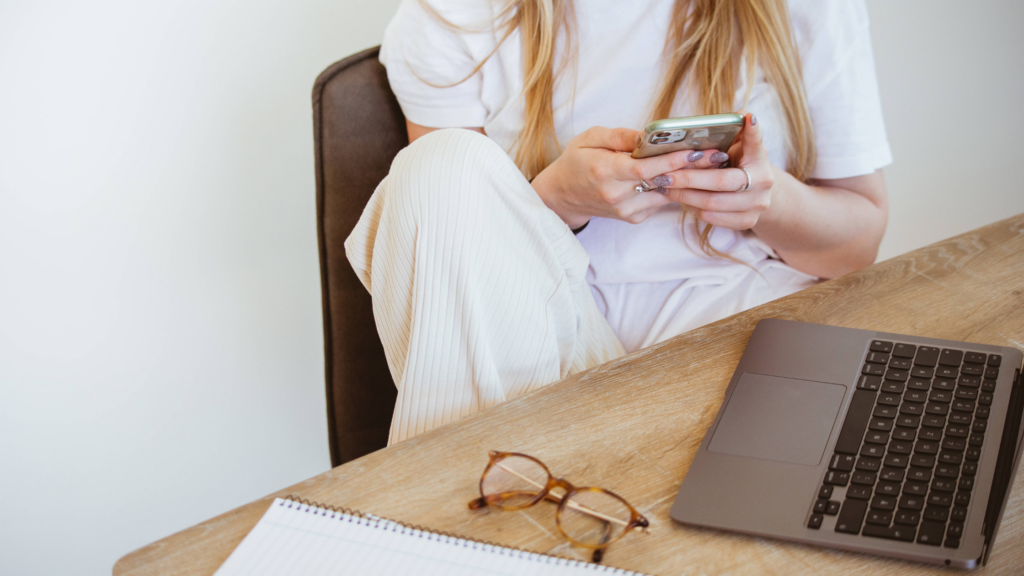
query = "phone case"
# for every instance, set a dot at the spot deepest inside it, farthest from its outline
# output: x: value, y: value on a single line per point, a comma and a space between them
x: 659, y: 137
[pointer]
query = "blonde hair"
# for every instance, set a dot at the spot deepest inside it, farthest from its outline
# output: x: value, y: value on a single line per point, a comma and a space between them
x: 707, y: 39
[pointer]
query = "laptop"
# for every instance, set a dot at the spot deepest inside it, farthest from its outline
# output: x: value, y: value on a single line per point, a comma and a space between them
x: 865, y: 441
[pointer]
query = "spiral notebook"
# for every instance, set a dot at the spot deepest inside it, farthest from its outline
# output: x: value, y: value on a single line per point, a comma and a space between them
x: 301, y: 538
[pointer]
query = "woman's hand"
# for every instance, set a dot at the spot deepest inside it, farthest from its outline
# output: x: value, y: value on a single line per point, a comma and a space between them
x: 715, y: 196
x: 595, y: 177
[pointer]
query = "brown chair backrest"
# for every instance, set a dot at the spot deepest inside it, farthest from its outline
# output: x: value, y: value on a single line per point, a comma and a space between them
x: 358, y: 128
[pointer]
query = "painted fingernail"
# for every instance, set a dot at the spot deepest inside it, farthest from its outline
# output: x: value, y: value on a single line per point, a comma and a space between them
x: 753, y: 120
x: 694, y: 156
x: 718, y: 157
x: 663, y: 180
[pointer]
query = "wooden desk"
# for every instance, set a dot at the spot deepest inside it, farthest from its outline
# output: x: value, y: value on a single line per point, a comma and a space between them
x: 633, y: 426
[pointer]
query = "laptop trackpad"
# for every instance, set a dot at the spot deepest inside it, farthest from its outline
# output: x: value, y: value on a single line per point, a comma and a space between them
x: 779, y: 419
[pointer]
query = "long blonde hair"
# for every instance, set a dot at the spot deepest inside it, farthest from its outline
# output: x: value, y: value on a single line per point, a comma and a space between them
x: 706, y: 42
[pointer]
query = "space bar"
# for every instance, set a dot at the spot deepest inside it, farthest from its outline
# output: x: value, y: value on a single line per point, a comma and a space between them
x: 856, y: 421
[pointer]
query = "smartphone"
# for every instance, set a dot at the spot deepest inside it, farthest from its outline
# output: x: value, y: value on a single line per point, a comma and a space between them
x: 717, y: 131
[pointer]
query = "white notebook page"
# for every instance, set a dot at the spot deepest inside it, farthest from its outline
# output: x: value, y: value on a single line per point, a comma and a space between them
x: 300, y: 540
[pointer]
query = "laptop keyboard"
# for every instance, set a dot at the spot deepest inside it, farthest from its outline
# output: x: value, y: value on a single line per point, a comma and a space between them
x: 909, y: 448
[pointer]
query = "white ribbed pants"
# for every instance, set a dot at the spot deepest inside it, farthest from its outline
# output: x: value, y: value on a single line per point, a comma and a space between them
x: 479, y: 290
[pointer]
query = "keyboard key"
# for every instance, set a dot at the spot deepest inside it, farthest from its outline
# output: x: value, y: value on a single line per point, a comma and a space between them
x: 896, y: 461
x: 874, y: 437
x: 966, y: 483
x: 901, y: 533
x: 937, y: 409
x: 962, y: 405
x: 901, y: 447
x: 962, y: 499
x: 982, y: 412
x: 943, y: 485
x: 901, y: 364
x: 912, y: 409
x: 991, y: 374
x: 944, y: 383
x: 985, y: 399
x: 832, y: 508
x: 988, y: 385
x: 911, y: 502
x: 881, y: 424
x: 889, y: 399
x: 969, y: 469
x: 888, y: 488
x: 936, y: 513
x: 815, y: 521
x: 931, y: 532
x: 881, y: 346
x: 882, y: 411
x: 994, y: 360
x: 969, y: 382
x: 904, y: 350
x: 873, y: 450
x: 879, y: 517
x: 958, y: 514
x: 899, y: 433
x: 922, y: 372
x: 900, y: 375
x: 837, y: 478
x: 940, y: 396
x: 851, y: 516
x: 919, y: 474
x: 938, y: 499
x: 878, y: 358
x: 926, y: 447
x: 892, y: 386
x: 974, y: 357
x: 864, y: 478
x: 947, y: 471
x: 957, y: 444
x: 908, y: 421
x: 892, y: 475
x: 931, y: 434
x: 926, y: 356
x: 976, y: 439
x: 843, y: 462
x: 923, y: 460
x: 957, y: 431
x: 915, y: 488
x: 947, y: 457
x: 960, y: 418
x: 934, y: 421
x: 980, y: 426
x: 907, y: 517
x: 825, y: 492
x: 869, y: 382
x: 819, y: 506
x: 945, y: 372
x: 950, y: 357
x: 918, y: 383
x: 869, y: 464
x: 973, y: 369
x: 858, y: 492
x: 873, y: 369
x: 954, y: 530
x: 917, y: 396
x: 882, y: 502
x: 966, y: 393
x: 856, y: 419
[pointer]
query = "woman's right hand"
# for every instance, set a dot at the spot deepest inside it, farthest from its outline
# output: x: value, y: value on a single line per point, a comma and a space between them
x: 595, y: 176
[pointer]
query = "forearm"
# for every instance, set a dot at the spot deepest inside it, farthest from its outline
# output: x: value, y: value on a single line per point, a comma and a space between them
x: 825, y: 230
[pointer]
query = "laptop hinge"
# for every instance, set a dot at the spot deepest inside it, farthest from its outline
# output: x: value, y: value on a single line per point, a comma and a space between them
x: 1006, y: 464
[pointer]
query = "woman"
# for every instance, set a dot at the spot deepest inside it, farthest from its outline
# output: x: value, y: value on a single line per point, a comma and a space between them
x: 516, y: 249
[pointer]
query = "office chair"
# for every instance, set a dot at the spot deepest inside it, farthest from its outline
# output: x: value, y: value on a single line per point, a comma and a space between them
x: 358, y: 128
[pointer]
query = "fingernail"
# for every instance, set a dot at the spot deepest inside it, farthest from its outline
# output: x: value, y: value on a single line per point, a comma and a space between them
x: 663, y: 180
x: 694, y: 156
x: 660, y: 190
x: 718, y: 157
x: 753, y: 120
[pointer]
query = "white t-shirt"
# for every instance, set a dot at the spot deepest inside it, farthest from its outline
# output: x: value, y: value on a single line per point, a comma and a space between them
x: 651, y: 282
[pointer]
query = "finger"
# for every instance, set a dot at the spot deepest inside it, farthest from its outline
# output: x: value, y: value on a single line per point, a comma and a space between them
x: 751, y: 141
x: 632, y: 209
x: 724, y: 180
x: 628, y: 169
x: 722, y: 202
x: 709, y: 159
x: 732, y: 220
x: 618, y: 139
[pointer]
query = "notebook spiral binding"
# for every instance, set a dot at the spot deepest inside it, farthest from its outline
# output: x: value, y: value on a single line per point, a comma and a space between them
x: 440, y: 535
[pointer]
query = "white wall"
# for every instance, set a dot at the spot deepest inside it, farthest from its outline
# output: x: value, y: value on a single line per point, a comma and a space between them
x: 160, y: 337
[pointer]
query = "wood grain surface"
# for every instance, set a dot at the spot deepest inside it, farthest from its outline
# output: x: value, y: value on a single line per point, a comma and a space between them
x: 633, y: 426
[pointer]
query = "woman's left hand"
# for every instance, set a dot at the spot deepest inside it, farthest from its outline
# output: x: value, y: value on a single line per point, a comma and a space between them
x: 715, y: 196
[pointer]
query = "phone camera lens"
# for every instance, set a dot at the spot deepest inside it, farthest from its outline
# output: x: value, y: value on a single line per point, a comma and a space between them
x: 659, y: 140
x: 662, y: 134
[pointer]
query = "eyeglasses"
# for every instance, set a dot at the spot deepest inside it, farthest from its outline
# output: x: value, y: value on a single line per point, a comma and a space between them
x: 589, y: 517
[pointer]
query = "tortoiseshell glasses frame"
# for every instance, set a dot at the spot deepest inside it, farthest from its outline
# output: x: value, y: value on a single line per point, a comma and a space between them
x: 540, y: 489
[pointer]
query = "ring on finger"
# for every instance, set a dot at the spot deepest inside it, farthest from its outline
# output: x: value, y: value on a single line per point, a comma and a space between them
x: 643, y: 186
x: 745, y: 186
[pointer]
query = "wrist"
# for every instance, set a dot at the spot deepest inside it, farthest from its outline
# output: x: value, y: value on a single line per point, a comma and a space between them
x: 773, y: 215
x: 546, y: 186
